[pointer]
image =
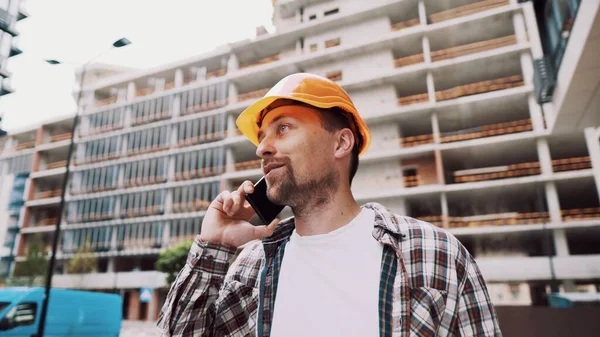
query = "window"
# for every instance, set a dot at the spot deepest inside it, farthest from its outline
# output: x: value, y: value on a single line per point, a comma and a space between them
x: 92, y: 210
x: 151, y: 110
x: 95, y: 180
x: 142, y: 203
x: 144, y: 172
x: 198, y: 164
x: 332, y: 43
x: 100, y: 149
x: 184, y: 229
x: 149, y: 140
x: 140, y: 235
x: 204, y: 99
x: 194, y: 198
x: 106, y: 121
x: 202, y: 130
x: 312, y: 17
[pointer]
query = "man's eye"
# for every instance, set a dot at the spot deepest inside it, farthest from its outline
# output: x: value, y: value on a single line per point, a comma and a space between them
x: 283, y: 128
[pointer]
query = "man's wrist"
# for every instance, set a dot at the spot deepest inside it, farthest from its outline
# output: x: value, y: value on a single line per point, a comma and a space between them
x: 210, y: 256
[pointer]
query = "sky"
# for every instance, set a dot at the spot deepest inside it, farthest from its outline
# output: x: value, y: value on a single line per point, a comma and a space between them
x: 75, y: 31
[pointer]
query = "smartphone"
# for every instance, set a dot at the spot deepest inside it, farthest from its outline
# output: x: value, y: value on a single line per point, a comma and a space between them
x: 264, y: 208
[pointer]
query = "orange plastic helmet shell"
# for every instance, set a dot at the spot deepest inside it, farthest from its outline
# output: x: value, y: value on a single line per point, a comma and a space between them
x: 307, y: 88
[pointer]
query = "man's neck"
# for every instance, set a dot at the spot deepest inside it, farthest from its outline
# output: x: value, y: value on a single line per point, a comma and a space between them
x: 326, y: 217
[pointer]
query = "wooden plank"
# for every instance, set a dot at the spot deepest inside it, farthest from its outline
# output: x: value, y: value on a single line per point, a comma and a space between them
x: 466, y: 10
x: 405, y: 24
x: 472, y: 48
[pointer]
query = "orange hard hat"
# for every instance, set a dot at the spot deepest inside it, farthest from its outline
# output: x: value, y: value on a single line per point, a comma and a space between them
x: 306, y: 88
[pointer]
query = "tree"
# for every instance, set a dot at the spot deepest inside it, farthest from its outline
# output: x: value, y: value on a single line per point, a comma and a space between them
x: 35, y: 264
x: 172, y: 260
x: 83, y: 262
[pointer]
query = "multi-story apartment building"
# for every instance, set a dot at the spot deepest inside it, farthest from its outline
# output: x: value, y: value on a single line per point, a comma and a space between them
x: 462, y: 138
x: 11, y: 11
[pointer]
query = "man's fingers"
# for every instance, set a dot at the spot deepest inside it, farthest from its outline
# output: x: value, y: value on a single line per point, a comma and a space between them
x: 265, y: 231
x: 225, y: 197
x: 247, y: 187
x: 237, y: 203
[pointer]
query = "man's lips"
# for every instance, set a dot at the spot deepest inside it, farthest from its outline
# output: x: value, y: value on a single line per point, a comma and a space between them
x: 271, y: 166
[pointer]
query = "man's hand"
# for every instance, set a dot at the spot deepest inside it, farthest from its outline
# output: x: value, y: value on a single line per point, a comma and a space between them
x: 227, y: 219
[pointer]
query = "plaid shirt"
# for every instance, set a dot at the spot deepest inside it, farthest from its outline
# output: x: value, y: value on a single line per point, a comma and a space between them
x: 429, y: 285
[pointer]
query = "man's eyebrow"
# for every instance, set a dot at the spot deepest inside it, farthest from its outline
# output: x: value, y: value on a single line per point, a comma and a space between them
x: 275, y: 120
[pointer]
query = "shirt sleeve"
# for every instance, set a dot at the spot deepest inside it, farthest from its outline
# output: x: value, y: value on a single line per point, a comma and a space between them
x: 189, y: 309
x: 476, y: 313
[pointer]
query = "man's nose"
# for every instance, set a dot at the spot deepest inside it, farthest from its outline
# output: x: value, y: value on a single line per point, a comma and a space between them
x: 265, y: 148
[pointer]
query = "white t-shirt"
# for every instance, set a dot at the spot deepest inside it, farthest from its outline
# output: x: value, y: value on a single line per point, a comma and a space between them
x: 329, y: 284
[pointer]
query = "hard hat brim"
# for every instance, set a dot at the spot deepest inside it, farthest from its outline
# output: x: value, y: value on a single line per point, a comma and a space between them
x: 248, y: 121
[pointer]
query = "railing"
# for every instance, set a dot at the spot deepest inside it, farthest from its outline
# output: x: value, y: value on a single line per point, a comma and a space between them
x: 138, y: 151
x: 498, y: 172
x: 409, y: 60
x: 143, y: 181
x: 580, y: 213
x: 413, y: 99
x: 206, y: 107
x: 199, y: 173
x: 252, y: 94
x: 142, y: 211
x: 216, y: 73
x: 104, y: 128
x: 62, y: 136
x: 106, y: 101
x: 201, y: 138
x: 269, y: 59
x: 473, y: 48
x: 332, y: 42
x: 192, y: 206
x: 489, y: 130
x: 334, y: 75
x: 397, y: 180
x: 480, y: 87
x: 248, y: 165
x: 26, y: 145
x: 416, y: 140
x: 56, y: 164
x: 144, y: 91
x: 405, y: 24
x: 504, y: 219
x: 46, y: 222
x: 571, y: 164
x: 151, y: 118
x: 469, y: 9
x: 95, y: 159
x: 47, y: 194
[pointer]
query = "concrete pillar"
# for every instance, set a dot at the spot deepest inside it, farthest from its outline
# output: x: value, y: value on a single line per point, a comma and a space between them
x: 422, y: 13
x: 169, y: 201
x: 233, y: 93
x: 430, y: 87
x: 445, y: 212
x: 592, y: 140
x: 560, y: 242
x: 134, y: 305
x: 553, y: 203
x: 232, y: 64
x: 435, y: 127
x: 229, y: 160
x: 111, y: 265
x: 527, y: 68
x: 166, y: 235
x: 535, y: 113
x: 519, y: 26
x: 426, y: 50
x: 114, y: 239
x: 178, y: 78
x: 231, y: 127
x: 171, y: 169
x: 131, y: 91
x: 153, y: 307
x: 40, y: 136
x: 544, y: 156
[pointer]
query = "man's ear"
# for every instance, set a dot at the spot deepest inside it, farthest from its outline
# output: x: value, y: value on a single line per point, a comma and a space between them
x: 344, y: 143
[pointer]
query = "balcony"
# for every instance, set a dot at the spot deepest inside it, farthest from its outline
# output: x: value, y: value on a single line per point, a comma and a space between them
x: 580, y: 214
x: 196, y: 205
x: 56, y: 164
x: 25, y: 145
x: 60, y: 137
x: 404, y: 24
x: 487, y: 131
x: 203, y: 172
x: 248, y: 165
x: 472, y: 48
x: 106, y: 101
x: 571, y: 164
x: 252, y: 94
x: 501, y: 219
x: 498, y: 172
x: 464, y: 10
x: 480, y: 87
x: 47, y: 194
x: 265, y: 60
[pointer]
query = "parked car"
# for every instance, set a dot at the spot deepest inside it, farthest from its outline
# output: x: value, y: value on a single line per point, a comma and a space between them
x: 71, y: 313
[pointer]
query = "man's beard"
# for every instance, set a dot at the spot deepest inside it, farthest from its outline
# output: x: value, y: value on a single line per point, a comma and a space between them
x: 314, y: 192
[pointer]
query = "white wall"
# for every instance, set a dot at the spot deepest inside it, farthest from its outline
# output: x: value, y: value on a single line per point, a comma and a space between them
x: 374, y: 100
x: 350, y: 35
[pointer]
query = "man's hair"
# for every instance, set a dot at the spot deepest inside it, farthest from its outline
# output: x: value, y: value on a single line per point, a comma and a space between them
x: 335, y: 119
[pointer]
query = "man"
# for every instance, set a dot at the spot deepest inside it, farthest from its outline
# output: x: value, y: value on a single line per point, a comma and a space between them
x: 335, y: 268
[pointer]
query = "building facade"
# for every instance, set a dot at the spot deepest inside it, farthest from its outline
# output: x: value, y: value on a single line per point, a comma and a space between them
x: 461, y: 138
x: 11, y: 11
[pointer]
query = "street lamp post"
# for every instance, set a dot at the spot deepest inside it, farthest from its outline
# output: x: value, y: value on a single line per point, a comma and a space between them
x: 50, y: 272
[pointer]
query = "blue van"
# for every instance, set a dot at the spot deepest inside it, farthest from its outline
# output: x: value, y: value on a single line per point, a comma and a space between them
x: 71, y: 313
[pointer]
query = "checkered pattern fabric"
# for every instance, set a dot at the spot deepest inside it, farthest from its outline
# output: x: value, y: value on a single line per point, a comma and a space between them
x: 429, y: 285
